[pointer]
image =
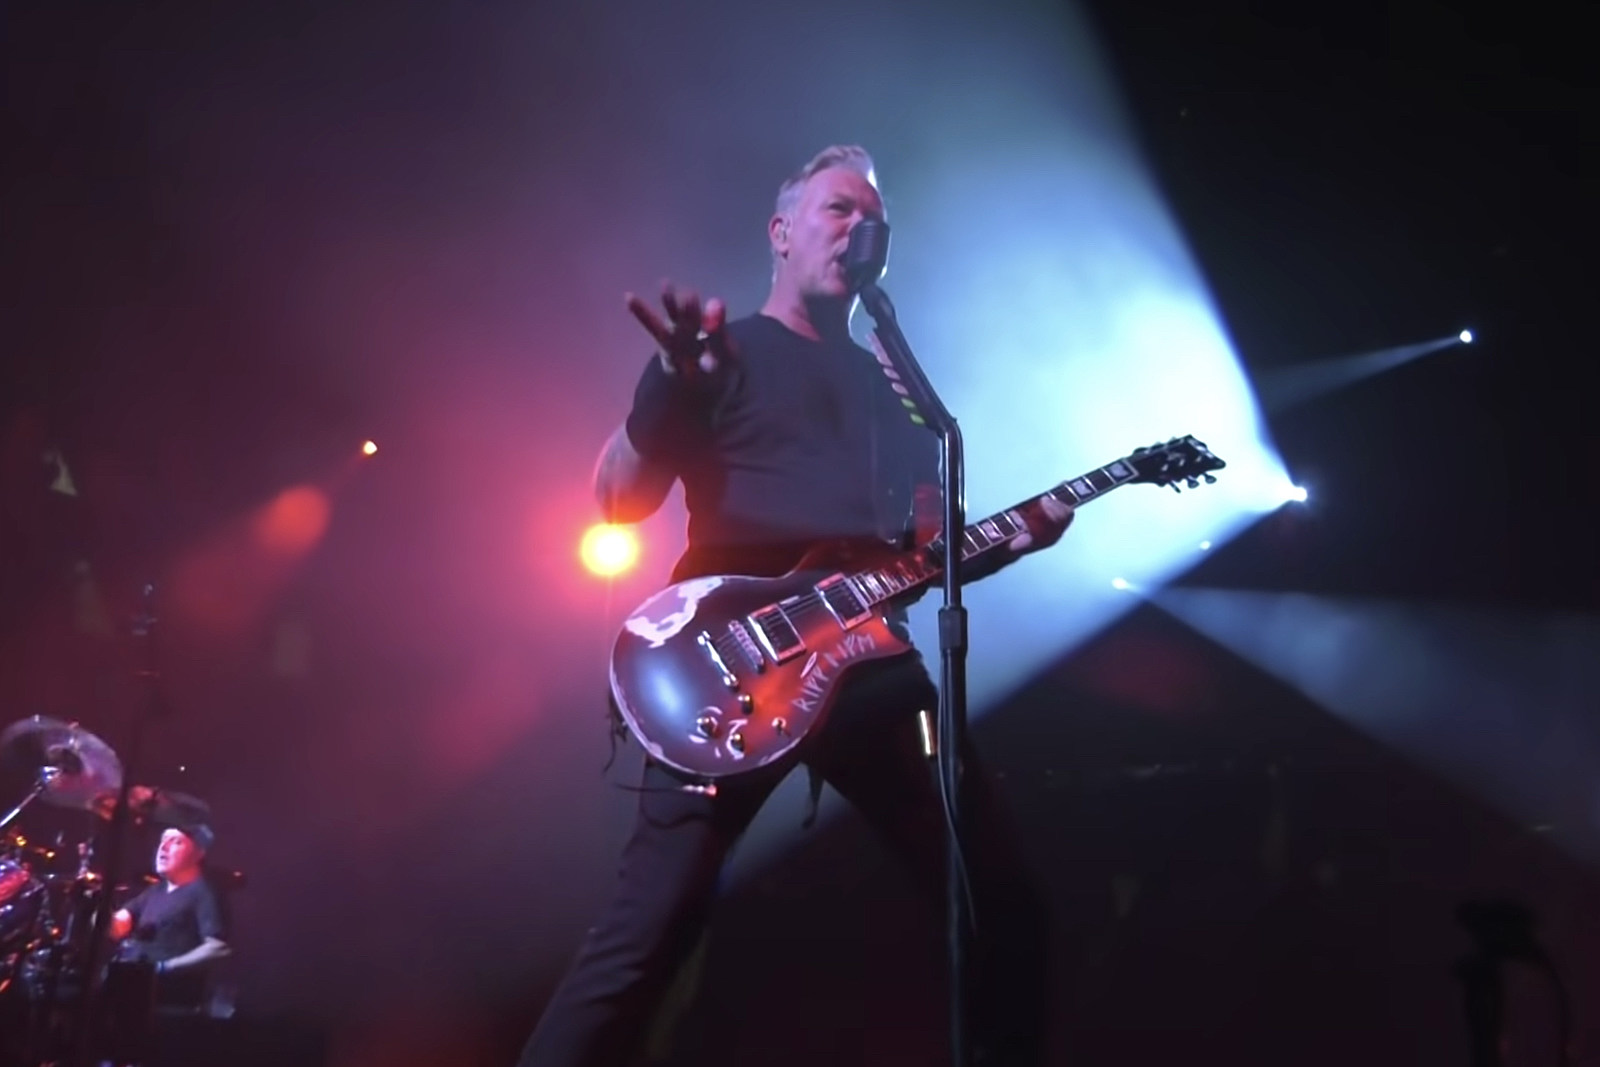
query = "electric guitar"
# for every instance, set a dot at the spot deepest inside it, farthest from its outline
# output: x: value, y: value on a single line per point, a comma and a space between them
x: 718, y: 676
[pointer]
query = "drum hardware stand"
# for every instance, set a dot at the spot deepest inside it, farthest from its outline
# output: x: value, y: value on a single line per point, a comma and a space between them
x: 39, y: 786
x: 151, y: 707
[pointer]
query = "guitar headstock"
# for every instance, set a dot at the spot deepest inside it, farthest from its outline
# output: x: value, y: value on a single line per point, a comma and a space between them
x: 1182, y: 459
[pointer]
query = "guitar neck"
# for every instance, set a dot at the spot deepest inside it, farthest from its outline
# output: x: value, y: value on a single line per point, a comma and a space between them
x: 915, y: 569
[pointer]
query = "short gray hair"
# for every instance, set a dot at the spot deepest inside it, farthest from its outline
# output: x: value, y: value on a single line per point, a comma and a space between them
x: 850, y: 156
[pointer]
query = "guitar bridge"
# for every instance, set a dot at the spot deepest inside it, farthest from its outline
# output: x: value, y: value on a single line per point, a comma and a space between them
x: 710, y: 647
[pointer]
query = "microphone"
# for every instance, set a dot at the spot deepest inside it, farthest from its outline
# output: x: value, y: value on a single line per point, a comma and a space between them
x: 867, y: 254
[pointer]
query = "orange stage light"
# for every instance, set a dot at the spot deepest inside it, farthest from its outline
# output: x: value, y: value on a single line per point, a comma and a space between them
x: 609, y: 550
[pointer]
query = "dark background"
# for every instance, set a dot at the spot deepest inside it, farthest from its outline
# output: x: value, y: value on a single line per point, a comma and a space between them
x: 1237, y: 873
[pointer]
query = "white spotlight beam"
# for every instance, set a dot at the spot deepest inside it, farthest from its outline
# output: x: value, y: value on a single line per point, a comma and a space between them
x: 1289, y: 387
x: 1499, y: 704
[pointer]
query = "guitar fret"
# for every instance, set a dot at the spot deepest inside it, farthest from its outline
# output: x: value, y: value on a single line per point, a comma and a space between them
x: 1159, y: 464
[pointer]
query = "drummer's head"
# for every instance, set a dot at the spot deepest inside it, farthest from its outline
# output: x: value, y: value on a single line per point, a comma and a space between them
x: 181, y: 852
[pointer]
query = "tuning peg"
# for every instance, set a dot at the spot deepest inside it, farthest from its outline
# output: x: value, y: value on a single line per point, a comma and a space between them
x: 1194, y: 483
x: 1211, y: 479
x: 1175, y: 488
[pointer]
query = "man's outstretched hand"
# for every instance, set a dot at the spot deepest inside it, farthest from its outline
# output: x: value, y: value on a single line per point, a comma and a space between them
x: 693, y: 341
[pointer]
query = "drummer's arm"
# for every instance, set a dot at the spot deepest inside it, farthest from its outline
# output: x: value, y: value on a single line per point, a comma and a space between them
x: 213, y: 926
x: 125, y: 918
x: 212, y: 948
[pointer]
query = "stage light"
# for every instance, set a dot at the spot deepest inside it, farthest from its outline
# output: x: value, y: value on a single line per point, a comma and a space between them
x: 1205, y: 546
x: 609, y: 550
x: 1297, y: 494
x: 1119, y: 583
x: 369, y: 448
x: 295, y: 520
x: 1466, y: 337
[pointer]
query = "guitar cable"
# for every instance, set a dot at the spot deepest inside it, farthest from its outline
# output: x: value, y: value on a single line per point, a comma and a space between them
x: 930, y: 749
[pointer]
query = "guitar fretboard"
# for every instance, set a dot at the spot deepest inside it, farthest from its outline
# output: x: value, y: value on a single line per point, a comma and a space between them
x: 917, y: 568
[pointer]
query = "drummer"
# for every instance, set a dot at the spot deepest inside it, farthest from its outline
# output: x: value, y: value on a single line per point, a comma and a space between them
x: 180, y: 923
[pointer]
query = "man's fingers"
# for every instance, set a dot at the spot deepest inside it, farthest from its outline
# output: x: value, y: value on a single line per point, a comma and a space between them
x: 689, y: 312
x: 715, y: 315
x: 1046, y: 524
x: 1056, y: 511
x: 649, y: 320
x: 714, y: 323
x: 680, y: 338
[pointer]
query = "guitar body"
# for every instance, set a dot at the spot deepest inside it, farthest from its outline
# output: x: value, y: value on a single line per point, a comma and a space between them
x: 719, y: 676
x: 722, y: 675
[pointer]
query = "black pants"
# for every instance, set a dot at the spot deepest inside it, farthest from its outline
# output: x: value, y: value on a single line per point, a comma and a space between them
x: 870, y: 751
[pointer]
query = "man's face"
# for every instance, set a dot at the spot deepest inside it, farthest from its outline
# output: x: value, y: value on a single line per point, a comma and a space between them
x: 811, y: 241
x: 177, y: 854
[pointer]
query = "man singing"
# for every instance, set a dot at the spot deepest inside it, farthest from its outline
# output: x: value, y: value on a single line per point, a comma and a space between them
x: 785, y: 433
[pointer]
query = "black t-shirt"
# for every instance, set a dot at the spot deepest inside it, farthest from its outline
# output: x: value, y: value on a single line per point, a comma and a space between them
x: 805, y: 442
x: 169, y: 923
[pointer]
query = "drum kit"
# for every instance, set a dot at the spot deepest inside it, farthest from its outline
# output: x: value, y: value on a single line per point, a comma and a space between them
x: 51, y: 891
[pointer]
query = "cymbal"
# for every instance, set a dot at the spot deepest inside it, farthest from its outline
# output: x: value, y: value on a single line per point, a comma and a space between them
x: 153, y: 804
x: 167, y: 807
x: 76, y: 766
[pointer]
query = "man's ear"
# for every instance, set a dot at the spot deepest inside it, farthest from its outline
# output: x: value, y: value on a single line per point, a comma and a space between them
x: 778, y: 233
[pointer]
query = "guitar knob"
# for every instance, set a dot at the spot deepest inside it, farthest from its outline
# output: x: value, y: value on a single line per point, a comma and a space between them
x: 747, y: 704
x: 706, y: 725
x: 780, y: 727
x: 736, y: 740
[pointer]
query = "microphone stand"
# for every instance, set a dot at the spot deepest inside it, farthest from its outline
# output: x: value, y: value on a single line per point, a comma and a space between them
x: 952, y: 649
x: 149, y: 672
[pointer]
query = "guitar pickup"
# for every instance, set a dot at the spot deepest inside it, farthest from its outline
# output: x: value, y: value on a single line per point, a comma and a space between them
x: 776, y: 633
x: 746, y: 645
x: 839, y: 596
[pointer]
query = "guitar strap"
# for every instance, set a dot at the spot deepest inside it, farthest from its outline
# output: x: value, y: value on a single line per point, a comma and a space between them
x: 618, y: 729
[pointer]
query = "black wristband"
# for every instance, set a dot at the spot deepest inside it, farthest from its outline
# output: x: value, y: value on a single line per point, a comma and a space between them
x: 665, y: 408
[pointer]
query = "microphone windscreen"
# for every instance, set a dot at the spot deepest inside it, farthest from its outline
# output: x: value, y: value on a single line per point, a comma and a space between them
x: 867, y: 254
